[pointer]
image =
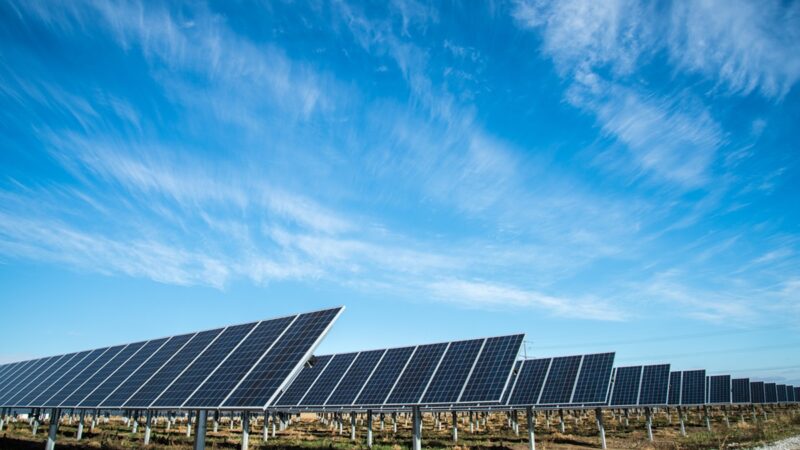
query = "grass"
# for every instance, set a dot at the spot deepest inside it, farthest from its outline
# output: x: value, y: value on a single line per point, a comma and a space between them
x: 308, y: 433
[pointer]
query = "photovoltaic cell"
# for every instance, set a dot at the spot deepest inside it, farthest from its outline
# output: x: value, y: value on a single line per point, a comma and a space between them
x: 530, y: 381
x: 84, y: 375
x: 560, y: 380
x: 655, y: 385
x: 233, y: 370
x: 66, y: 374
x: 201, y: 368
x: 770, y: 393
x: 377, y: 388
x: 286, y: 356
x: 781, y: 393
x: 148, y: 392
x: 719, y: 389
x: 328, y: 380
x: 757, y: 392
x: 121, y: 374
x: 98, y: 378
x: 295, y: 392
x: 491, y: 373
x: 740, y: 390
x: 349, y: 387
x: 415, y: 377
x: 626, y: 386
x: 449, y: 380
x: 675, y: 381
x: 693, y: 390
x: 594, y: 378
x: 30, y: 381
x: 146, y: 370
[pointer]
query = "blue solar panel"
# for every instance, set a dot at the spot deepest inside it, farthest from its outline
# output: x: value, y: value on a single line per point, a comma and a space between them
x: 511, y: 382
x: 85, y: 374
x: 204, y: 364
x: 797, y: 394
x: 214, y: 391
x: 410, y: 386
x: 693, y: 390
x: 757, y: 392
x: 282, y: 360
x: 675, y: 379
x: 493, y: 369
x: 126, y: 370
x: 781, y: 393
x: 594, y: 379
x: 655, y: 385
x: 719, y: 389
x: 790, y: 393
x: 358, y: 374
x: 297, y: 390
x: 329, y: 378
x: 560, y: 380
x: 146, y: 370
x: 161, y: 379
x: 449, y: 380
x: 377, y: 388
x: 25, y: 380
x: 529, y: 383
x: 626, y: 386
x: 64, y: 375
x: 770, y: 393
x: 98, y: 378
x: 740, y: 390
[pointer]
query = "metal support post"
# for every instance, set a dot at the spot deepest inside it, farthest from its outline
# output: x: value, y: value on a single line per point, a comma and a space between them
x: 599, y: 414
x: 353, y: 426
x: 55, y: 415
x: 200, y: 433
x: 455, y: 426
x: 649, y: 415
x: 369, y: 428
x: 417, y: 426
x: 148, y: 426
x: 683, y: 425
x: 245, y: 430
x: 561, y: 421
x: 189, y: 423
x: 531, y: 426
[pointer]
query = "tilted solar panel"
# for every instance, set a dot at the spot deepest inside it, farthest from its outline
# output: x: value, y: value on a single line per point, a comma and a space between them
x: 781, y: 393
x: 655, y: 385
x: 529, y: 382
x: 244, y: 365
x: 770, y: 393
x: 594, y: 379
x: 560, y: 380
x: 626, y: 386
x: 790, y: 393
x: 675, y: 386
x: 719, y: 389
x: 492, y: 370
x: 740, y: 390
x: 358, y: 375
x: 300, y: 385
x: 693, y: 388
x: 757, y: 393
x: 321, y: 389
x: 797, y: 394
x: 449, y: 380
x: 411, y: 384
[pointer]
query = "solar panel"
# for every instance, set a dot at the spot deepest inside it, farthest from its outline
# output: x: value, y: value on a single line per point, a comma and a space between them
x: 529, y: 382
x: 327, y: 381
x: 790, y: 393
x: 770, y: 393
x: 675, y: 382
x: 244, y: 364
x: 693, y: 388
x: 511, y: 382
x: 655, y: 385
x: 594, y: 379
x: 380, y: 384
x: 492, y: 370
x: 740, y: 390
x: 300, y: 385
x: 719, y: 389
x: 447, y: 383
x: 781, y: 388
x: 757, y: 392
x: 560, y: 380
x: 350, y: 385
x: 797, y: 394
x: 626, y: 386
x: 420, y: 368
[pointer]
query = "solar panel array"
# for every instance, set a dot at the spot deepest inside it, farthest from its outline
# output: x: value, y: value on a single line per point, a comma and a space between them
x: 462, y: 372
x: 236, y: 367
x: 640, y: 386
x: 579, y: 380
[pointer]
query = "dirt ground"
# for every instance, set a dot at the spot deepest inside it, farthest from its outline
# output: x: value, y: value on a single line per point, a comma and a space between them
x: 307, y: 432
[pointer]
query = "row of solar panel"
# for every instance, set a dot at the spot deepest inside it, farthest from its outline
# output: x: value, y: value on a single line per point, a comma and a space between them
x: 474, y: 371
x: 561, y: 381
x: 241, y: 366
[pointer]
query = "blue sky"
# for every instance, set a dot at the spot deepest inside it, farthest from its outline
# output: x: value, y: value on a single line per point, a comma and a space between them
x: 599, y: 175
